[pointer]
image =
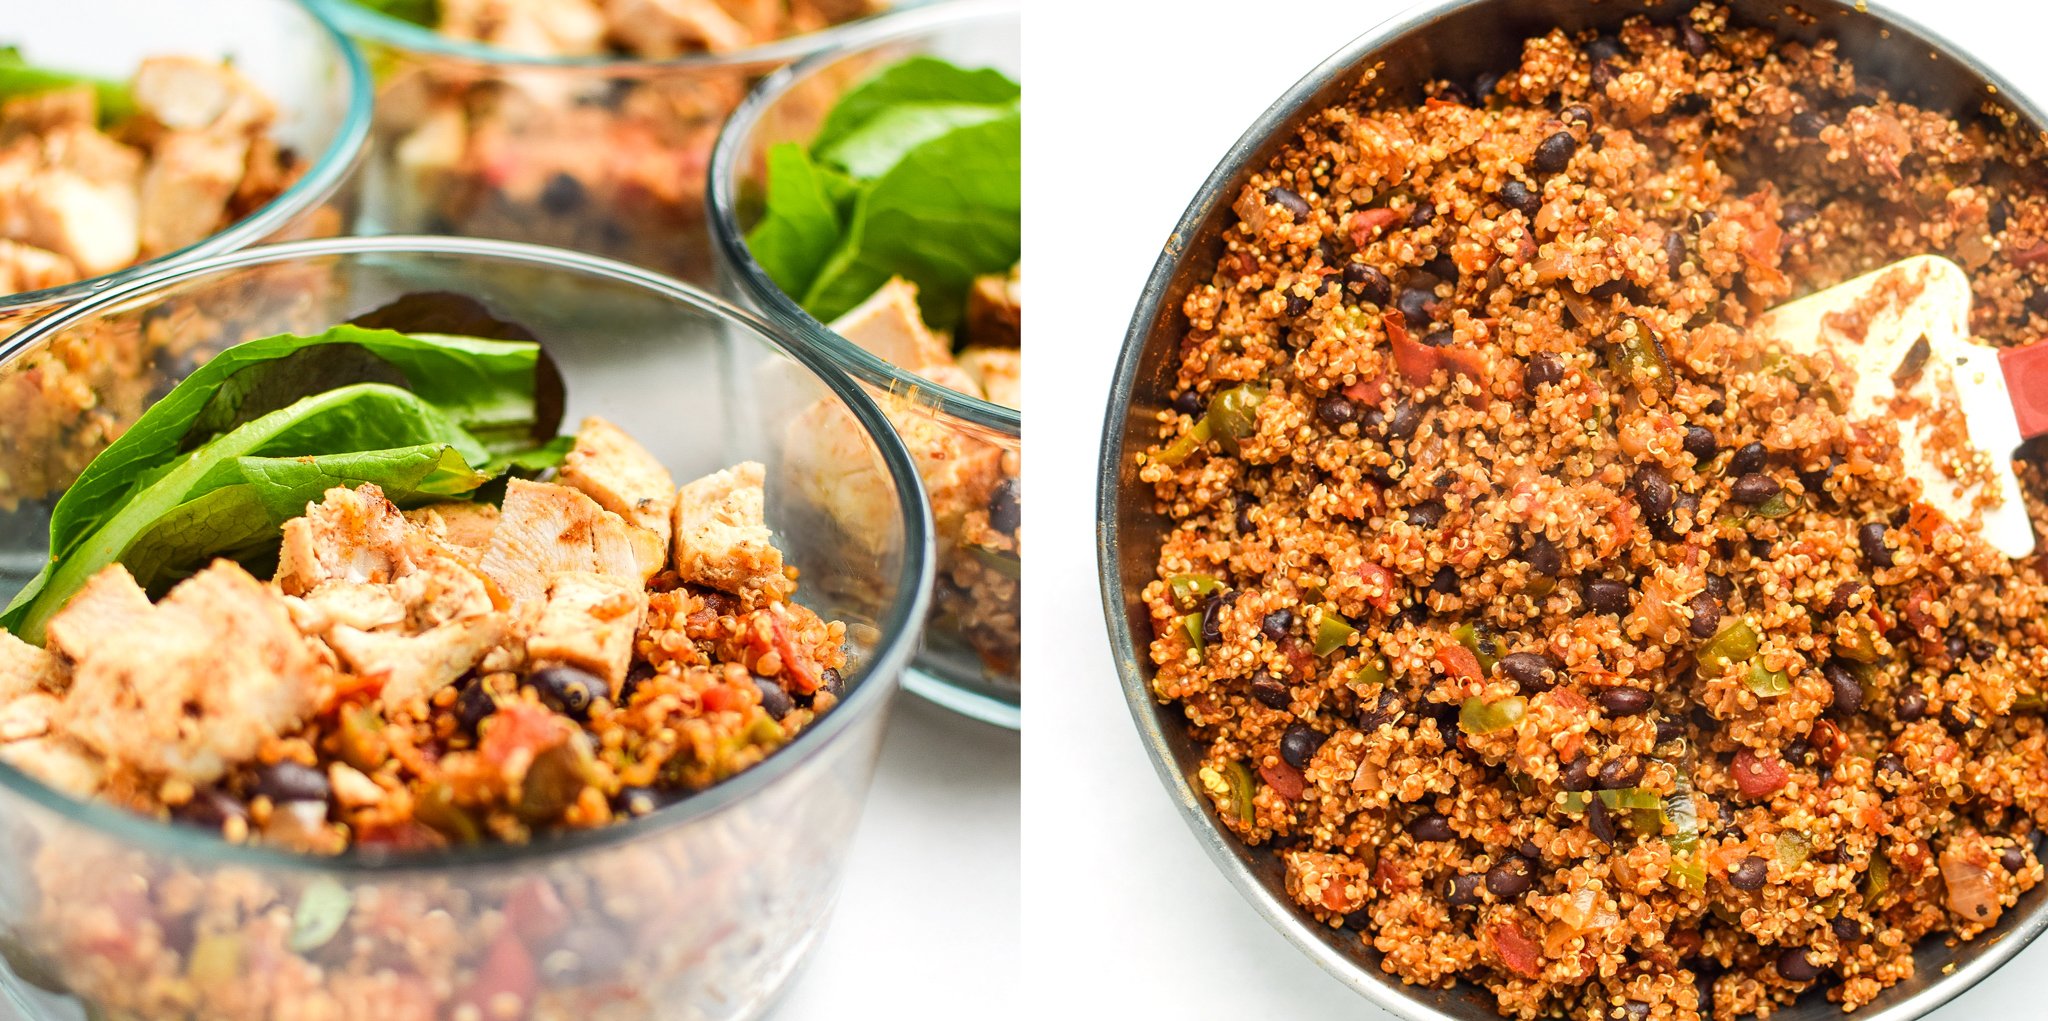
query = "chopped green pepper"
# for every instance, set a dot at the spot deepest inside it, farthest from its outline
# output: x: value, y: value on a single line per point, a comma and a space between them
x: 1239, y: 781
x: 438, y: 810
x: 1372, y: 672
x: 1333, y: 632
x: 362, y: 738
x: 2029, y: 702
x: 1234, y: 414
x: 1877, y: 881
x: 1480, y: 639
x: 1792, y: 850
x: 1736, y: 643
x: 1573, y: 802
x: 1639, y: 357
x: 1856, y: 641
x: 1629, y: 798
x: 1185, y: 444
x: 1192, y: 626
x: 1002, y: 562
x: 1190, y: 589
x: 1767, y: 683
x: 1478, y: 716
x: 1686, y: 865
x: 1777, y: 506
x: 323, y: 906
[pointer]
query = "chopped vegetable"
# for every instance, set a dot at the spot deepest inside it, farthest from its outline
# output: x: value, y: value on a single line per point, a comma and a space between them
x: 116, y: 101
x: 1233, y: 415
x: 1186, y: 443
x: 1767, y: 683
x: 1639, y: 357
x: 1792, y: 850
x: 1371, y: 672
x: 1333, y: 632
x: 1736, y: 643
x: 1190, y: 589
x: 1480, y: 640
x: 1238, y: 780
x: 1478, y: 716
x: 1877, y: 881
x: 323, y: 907
x: 1191, y: 625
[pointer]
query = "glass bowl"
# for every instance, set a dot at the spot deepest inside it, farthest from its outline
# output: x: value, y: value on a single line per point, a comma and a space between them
x: 970, y: 660
x: 600, y: 154
x: 1456, y: 39
x: 698, y: 911
x: 319, y: 81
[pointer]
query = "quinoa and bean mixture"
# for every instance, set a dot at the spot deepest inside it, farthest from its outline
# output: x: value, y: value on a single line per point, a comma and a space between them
x: 1556, y: 636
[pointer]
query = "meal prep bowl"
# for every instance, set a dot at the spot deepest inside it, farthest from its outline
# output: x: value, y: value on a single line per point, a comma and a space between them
x: 600, y: 154
x: 789, y: 106
x: 319, y: 82
x: 1456, y: 40
x: 701, y: 910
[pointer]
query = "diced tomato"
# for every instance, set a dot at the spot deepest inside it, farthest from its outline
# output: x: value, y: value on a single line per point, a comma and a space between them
x: 1925, y: 521
x: 1382, y: 588
x: 724, y: 698
x: 1570, y: 700
x: 2028, y: 256
x: 507, y: 968
x: 1758, y: 776
x: 1459, y: 663
x: 1370, y: 390
x: 1418, y: 362
x: 520, y: 726
x: 1390, y: 877
x: 1516, y: 950
x: 1828, y: 741
x: 1916, y: 612
x: 1366, y: 225
x: 800, y: 673
x: 1284, y: 779
x: 1623, y: 530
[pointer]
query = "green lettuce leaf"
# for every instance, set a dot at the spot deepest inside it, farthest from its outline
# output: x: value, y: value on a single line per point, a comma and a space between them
x: 801, y: 226
x: 916, y: 80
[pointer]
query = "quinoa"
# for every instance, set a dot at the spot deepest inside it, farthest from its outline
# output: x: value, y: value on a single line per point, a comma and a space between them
x: 1555, y: 635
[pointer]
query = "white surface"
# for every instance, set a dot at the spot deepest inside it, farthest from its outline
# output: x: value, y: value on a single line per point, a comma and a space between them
x: 927, y: 919
x: 1125, y: 915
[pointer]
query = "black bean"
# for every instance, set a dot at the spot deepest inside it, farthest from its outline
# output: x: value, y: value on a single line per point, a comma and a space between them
x: 1577, y: 775
x: 1575, y: 114
x: 1890, y: 767
x: 1298, y: 745
x: 1600, y: 820
x: 1605, y: 595
x: 1653, y: 492
x: 568, y: 690
x: 1285, y: 198
x: 1692, y: 40
x: 1909, y: 707
x: 562, y: 195
x: 1797, y: 212
x: 2013, y: 859
x: 1509, y: 879
x: 1700, y: 443
x: 1799, y: 752
x: 1243, y: 519
x: 1432, y: 827
x: 1386, y: 709
x: 1809, y: 123
x: 831, y: 682
x: 1445, y: 582
x: 1422, y: 215
x: 1438, y: 337
x: 1626, y: 771
x: 289, y: 781
x: 1463, y: 890
x: 1553, y: 154
x: 1847, y: 691
x: 1754, y: 488
x: 1957, y: 720
x: 1275, y: 625
x: 1847, y: 930
x: 1358, y: 921
x: 1520, y: 197
x: 1336, y: 411
x: 1368, y: 283
x: 1706, y: 616
x: 1484, y: 85
x: 1529, y: 850
x: 1632, y: 1010
x: 1416, y: 305
x: 1870, y: 539
x: 1271, y: 692
x: 1604, y: 47
x: 1442, y: 267
x: 1674, y: 253
x: 1404, y: 420
x: 1006, y: 506
x: 473, y: 705
x: 211, y: 808
x: 1749, y: 873
x: 1541, y: 555
x: 1189, y: 402
x: 1748, y: 458
x: 1212, y: 621
x: 1295, y: 306
x: 1529, y: 670
x: 1669, y: 729
x: 1795, y: 966
x: 1620, y: 701
x: 1427, y: 514
x: 774, y: 698
x: 1544, y: 369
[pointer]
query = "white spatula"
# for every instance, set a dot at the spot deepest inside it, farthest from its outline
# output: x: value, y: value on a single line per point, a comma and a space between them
x: 1875, y: 325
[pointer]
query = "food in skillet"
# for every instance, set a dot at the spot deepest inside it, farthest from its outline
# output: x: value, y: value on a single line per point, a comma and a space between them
x: 608, y: 161
x: 448, y: 650
x: 1556, y: 635
x: 848, y: 233
x: 96, y: 176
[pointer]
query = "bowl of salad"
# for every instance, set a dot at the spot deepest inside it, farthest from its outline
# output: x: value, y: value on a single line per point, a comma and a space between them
x: 454, y: 638
x: 579, y: 123
x: 867, y: 201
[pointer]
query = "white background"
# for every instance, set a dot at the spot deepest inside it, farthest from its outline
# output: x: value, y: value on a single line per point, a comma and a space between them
x: 1131, y: 105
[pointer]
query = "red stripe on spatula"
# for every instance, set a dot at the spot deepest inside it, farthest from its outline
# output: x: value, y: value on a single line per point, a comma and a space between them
x: 2026, y: 379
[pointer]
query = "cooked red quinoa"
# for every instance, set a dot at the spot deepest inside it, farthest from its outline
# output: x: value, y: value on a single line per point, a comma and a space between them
x: 1556, y: 638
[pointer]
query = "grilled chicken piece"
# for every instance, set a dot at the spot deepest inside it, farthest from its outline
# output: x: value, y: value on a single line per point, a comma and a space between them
x: 27, y: 716
x: 351, y: 535
x: 998, y: 373
x: 541, y: 28
x: 827, y: 456
x: 722, y: 538
x: 889, y: 325
x: 25, y: 668
x: 590, y: 622
x: 465, y: 528
x: 59, y: 761
x: 362, y: 606
x: 995, y: 311
x: 40, y: 112
x: 183, y: 688
x: 660, y: 29
x: 81, y: 149
x: 92, y: 224
x: 187, y: 188
x: 28, y: 268
x: 958, y: 471
x: 546, y: 529
x: 413, y: 666
x: 186, y: 94
x: 615, y: 470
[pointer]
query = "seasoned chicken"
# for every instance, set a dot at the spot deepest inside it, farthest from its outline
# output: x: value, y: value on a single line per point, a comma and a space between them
x: 60, y: 761
x: 998, y: 373
x: 104, y: 605
x: 590, y: 622
x: 25, y: 668
x: 889, y: 326
x: 995, y: 311
x: 827, y: 457
x: 659, y: 29
x: 958, y: 470
x: 413, y: 666
x: 27, y: 715
x: 186, y: 190
x: 546, y: 529
x: 185, y: 94
x: 615, y: 470
x: 200, y: 680
x: 721, y: 534
x: 54, y: 110
x: 464, y: 528
x: 28, y: 268
x: 92, y: 224
x: 351, y: 535
x: 541, y: 28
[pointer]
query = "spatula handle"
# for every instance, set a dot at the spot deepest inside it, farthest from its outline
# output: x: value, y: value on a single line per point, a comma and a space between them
x: 2026, y: 379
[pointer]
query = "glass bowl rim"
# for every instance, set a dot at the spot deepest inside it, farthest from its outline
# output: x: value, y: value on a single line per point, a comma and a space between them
x: 321, y: 180
x: 1158, y: 724
x: 901, y: 624
x: 722, y: 197
x: 358, y: 21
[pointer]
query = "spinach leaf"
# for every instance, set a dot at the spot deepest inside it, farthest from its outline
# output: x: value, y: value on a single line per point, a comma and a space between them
x: 800, y: 228
x: 419, y: 12
x: 494, y: 390
x: 874, y: 147
x: 948, y: 211
x: 916, y: 80
x: 345, y: 420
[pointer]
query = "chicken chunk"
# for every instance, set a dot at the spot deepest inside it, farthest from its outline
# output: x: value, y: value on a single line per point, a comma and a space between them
x: 541, y: 28
x: 958, y: 470
x: 25, y: 668
x: 590, y: 622
x: 889, y: 326
x: 721, y: 534
x: 59, y: 761
x: 186, y: 94
x: 50, y: 110
x: 660, y: 29
x: 184, y: 688
x: 351, y: 535
x: 833, y: 463
x: 410, y: 666
x: 995, y: 311
x: 612, y: 468
x: 998, y: 372
x: 464, y: 528
x: 28, y: 268
x: 186, y: 190
x: 26, y: 716
x: 93, y: 225
x: 104, y: 605
x: 546, y: 529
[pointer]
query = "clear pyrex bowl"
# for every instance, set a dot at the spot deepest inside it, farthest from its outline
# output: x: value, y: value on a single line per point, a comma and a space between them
x: 319, y: 82
x: 698, y: 911
x: 600, y: 154
x: 970, y: 660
